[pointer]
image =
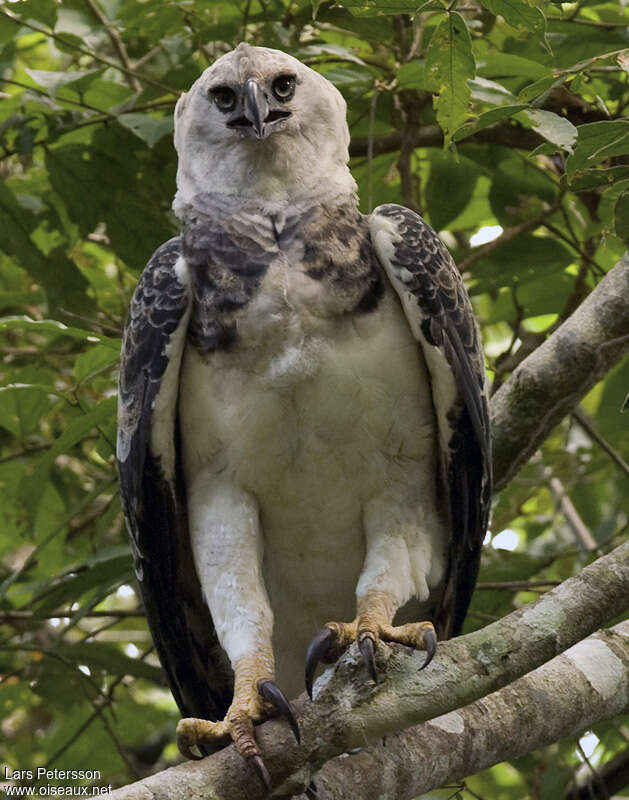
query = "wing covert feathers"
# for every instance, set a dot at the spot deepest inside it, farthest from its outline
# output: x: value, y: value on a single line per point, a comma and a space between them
x: 153, y: 498
x: 439, y: 312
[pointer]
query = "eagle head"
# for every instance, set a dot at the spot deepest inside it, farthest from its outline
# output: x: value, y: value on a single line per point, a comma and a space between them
x: 260, y: 124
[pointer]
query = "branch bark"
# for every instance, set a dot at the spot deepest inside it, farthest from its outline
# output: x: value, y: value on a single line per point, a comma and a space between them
x: 507, y: 135
x: 550, y: 382
x: 349, y: 711
x: 589, y: 682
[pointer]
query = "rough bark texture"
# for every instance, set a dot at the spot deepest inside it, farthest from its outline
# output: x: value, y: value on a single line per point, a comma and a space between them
x: 589, y: 682
x: 349, y: 711
x: 432, y: 136
x: 552, y: 380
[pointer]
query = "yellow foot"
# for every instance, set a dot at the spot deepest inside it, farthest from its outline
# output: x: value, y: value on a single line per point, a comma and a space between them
x: 370, y: 626
x: 256, y: 702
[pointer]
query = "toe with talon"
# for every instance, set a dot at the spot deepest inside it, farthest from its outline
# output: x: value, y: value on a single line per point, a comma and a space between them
x: 367, y: 651
x: 317, y: 649
x: 262, y: 771
x: 187, y: 739
x: 274, y: 695
x: 430, y: 642
x: 418, y: 635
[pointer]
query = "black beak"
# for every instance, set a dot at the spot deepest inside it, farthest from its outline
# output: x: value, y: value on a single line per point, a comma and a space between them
x: 256, y: 107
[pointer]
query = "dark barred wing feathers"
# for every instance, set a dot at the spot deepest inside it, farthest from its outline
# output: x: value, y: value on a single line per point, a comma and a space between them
x: 440, y: 315
x: 152, y: 493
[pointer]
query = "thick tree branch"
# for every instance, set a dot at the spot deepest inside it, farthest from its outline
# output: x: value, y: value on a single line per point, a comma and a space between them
x: 432, y: 136
x: 552, y: 380
x: 589, y: 682
x: 349, y: 711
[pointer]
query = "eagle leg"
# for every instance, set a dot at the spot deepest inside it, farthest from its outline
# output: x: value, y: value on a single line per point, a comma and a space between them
x: 255, y: 699
x: 373, y: 624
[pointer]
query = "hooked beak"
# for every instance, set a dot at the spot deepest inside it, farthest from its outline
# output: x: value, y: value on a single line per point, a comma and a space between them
x: 255, y: 113
x: 255, y: 107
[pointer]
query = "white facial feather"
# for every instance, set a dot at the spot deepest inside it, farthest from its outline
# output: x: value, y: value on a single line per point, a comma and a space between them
x: 303, y: 159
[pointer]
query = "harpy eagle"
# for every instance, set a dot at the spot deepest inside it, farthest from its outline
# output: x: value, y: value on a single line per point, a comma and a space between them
x: 303, y: 428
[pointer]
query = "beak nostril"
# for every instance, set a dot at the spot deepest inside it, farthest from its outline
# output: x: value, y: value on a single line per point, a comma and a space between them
x: 276, y: 114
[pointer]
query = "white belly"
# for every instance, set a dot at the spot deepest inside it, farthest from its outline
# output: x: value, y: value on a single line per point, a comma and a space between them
x: 314, y: 428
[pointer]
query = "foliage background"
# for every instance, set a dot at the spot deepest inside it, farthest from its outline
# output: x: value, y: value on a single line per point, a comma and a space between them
x: 529, y: 98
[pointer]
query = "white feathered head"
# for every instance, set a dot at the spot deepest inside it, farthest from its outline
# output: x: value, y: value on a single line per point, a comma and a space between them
x: 260, y: 125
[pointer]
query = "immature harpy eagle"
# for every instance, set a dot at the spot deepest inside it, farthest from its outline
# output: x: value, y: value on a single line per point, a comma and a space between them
x: 303, y: 430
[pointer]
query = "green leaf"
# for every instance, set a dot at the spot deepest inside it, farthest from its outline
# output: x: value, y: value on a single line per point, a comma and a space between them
x: 50, y: 327
x: 22, y: 406
x: 540, y: 87
x: 450, y: 64
x: 54, y: 271
x: 43, y: 11
x: 413, y: 75
x: 520, y: 191
x: 53, y: 81
x: 106, y: 657
x: 105, y: 572
x: 621, y: 217
x: 486, y: 120
x: 503, y: 65
x: 149, y: 129
x: 551, y: 126
x: 598, y: 141
x: 334, y: 50
x: 517, y: 13
x: 372, y: 7
x: 520, y: 260
x: 598, y: 177
x: 491, y: 92
x: 94, y: 360
x: 33, y: 486
x: 106, y: 184
x: 449, y: 189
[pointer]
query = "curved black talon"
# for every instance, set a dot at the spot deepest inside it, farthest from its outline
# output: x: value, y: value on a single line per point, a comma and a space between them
x: 185, y: 750
x: 262, y: 771
x: 431, y: 647
x: 317, y: 649
x: 367, y: 651
x: 277, y: 698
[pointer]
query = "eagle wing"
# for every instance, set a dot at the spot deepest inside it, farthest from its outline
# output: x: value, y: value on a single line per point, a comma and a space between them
x: 152, y: 491
x: 439, y: 313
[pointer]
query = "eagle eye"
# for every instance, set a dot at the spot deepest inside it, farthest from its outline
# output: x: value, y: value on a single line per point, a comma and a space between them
x: 224, y: 97
x: 284, y: 87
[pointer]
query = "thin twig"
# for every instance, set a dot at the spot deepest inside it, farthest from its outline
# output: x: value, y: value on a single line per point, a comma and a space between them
x: 22, y: 615
x: 18, y: 21
x: 118, y: 45
x: 42, y: 93
x: 581, y: 417
x: 32, y: 557
x: 566, y: 506
x: 560, y: 235
x: 96, y: 713
x: 25, y: 452
x: 148, y: 56
x: 518, y: 586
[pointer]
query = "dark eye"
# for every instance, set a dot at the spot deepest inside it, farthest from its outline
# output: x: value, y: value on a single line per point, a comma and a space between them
x: 284, y: 87
x: 224, y: 97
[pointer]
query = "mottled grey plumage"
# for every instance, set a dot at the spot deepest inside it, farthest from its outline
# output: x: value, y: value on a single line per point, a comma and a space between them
x: 230, y: 247
x: 154, y: 505
x: 276, y: 285
x: 442, y: 310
